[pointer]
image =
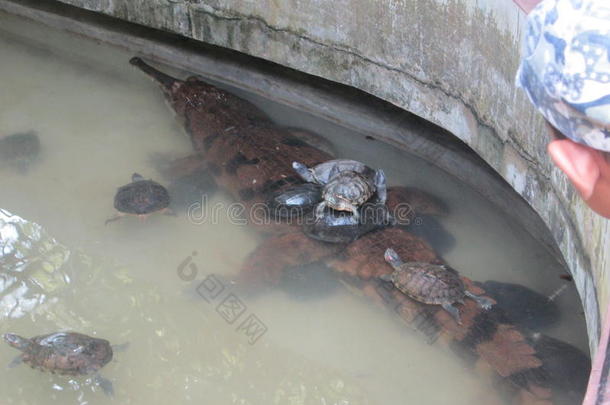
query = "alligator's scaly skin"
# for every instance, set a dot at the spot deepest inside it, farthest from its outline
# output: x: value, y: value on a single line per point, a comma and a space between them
x: 250, y: 157
x: 247, y: 155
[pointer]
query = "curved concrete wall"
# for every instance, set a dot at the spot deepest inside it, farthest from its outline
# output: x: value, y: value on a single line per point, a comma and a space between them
x: 451, y: 62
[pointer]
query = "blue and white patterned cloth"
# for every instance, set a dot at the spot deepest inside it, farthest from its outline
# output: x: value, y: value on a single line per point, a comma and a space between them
x: 565, y: 69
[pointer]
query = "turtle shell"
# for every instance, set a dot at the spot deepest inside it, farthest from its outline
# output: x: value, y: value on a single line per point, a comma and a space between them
x: 351, y: 186
x: 322, y: 171
x: 68, y: 353
x: 294, y: 201
x: 141, y: 197
x: 428, y: 283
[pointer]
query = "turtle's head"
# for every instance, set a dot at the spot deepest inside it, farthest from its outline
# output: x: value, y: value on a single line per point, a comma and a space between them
x: 16, y: 341
x: 391, y: 257
x: 338, y: 201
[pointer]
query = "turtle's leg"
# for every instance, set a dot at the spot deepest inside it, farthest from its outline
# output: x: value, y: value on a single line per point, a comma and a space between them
x: 320, y: 209
x: 453, y: 311
x: 104, y: 384
x: 353, y: 209
x: 169, y: 212
x: 120, y: 348
x: 483, y: 302
x: 16, y: 361
x: 115, y: 217
x: 380, y: 185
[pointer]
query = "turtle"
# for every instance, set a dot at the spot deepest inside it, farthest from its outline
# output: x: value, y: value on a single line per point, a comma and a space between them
x: 19, y: 150
x: 65, y: 353
x: 347, y: 184
x: 430, y: 284
x: 140, y: 197
x: 347, y: 190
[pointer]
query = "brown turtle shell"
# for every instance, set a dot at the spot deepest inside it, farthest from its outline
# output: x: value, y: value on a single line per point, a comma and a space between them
x: 67, y: 353
x: 351, y: 186
x: 428, y: 283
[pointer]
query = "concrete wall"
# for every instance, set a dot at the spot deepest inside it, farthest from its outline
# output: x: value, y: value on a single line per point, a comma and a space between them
x: 451, y: 62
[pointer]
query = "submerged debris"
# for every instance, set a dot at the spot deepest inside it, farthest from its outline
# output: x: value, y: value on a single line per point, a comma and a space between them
x: 19, y: 150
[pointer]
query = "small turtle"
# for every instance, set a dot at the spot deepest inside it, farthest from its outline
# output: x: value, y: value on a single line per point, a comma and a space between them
x: 140, y: 197
x: 347, y: 184
x: 19, y: 150
x: 430, y: 284
x: 295, y: 201
x: 65, y: 353
x: 347, y: 190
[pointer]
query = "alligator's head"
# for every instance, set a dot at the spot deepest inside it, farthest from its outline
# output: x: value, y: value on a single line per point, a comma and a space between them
x: 216, y: 108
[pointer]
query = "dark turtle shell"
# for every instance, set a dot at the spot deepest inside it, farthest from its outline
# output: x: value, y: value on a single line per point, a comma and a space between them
x: 65, y: 353
x: 141, y: 197
x: 294, y: 201
x: 429, y: 283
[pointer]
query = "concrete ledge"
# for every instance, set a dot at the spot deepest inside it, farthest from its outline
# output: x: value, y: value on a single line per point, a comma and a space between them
x: 451, y: 62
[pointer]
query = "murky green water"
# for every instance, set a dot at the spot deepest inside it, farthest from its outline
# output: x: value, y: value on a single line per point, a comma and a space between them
x: 99, y: 121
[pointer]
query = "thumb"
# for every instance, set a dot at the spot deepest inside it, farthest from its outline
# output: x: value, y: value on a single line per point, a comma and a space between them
x: 578, y: 163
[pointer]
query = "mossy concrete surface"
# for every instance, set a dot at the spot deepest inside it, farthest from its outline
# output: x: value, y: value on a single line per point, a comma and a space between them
x: 451, y: 62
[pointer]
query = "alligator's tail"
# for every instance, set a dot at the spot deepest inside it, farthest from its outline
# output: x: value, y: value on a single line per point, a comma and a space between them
x: 167, y: 82
x: 488, y: 344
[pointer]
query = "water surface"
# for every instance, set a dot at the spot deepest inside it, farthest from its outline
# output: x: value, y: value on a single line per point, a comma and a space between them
x: 100, y: 120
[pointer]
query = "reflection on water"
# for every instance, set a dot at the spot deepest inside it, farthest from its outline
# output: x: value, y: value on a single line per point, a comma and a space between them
x: 208, y: 361
x: 98, y: 122
x: 31, y: 263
